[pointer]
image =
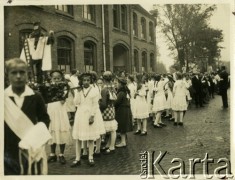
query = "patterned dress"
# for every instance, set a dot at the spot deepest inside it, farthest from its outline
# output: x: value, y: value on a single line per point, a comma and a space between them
x: 107, y: 108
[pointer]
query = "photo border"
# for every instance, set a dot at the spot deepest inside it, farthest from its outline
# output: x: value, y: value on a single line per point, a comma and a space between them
x: 79, y: 2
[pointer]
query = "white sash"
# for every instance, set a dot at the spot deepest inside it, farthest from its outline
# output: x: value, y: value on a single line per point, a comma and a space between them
x: 33, y: 137
x: 18, y: 122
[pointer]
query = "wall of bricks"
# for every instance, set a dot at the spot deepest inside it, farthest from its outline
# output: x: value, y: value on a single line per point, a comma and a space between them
x: 78, y: 30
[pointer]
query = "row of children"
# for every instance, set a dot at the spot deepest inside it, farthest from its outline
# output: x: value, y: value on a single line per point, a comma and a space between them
x: 98, y: 111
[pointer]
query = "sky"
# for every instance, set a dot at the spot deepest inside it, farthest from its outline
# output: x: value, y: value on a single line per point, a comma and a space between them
x: 219, y: 20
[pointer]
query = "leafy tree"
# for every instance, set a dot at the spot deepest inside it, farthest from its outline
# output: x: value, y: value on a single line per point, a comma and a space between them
x: 188, y: 33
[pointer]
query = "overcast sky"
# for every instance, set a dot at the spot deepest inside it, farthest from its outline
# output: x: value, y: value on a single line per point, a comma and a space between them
x: 219, y: 20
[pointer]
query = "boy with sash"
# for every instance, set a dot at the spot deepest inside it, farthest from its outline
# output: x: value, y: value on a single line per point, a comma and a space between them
x: 23, y: 109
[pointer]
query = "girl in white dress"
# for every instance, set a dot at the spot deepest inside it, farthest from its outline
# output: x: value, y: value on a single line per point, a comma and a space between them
x: 159, y: 101
x: 150, y: 96
x: 86, y: 127
x: 98, y: 115
x: 169, y: 88
x: 69, y: 101
x: 141, y: 107
x: 59, y: 125
x: 179, y: 104
x: 132, y: 86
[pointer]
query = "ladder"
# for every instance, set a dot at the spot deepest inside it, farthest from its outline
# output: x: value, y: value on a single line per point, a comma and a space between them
x: 29, y: 60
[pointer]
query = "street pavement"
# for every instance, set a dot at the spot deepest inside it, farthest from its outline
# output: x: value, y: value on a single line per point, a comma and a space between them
x: 205, y: 130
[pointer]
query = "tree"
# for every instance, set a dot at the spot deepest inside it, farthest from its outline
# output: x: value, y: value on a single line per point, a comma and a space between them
x: 187, y: 31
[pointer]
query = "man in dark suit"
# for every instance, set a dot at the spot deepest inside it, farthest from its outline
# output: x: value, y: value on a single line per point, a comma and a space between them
x: 29, y: 102
x: 197, y: 86
x: 223, y: 86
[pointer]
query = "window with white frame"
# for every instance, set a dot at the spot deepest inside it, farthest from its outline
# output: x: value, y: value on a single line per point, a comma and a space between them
x: 64, y: 53
x: 124, y: 17
x: 89, y: 12
x: 65, y: 8
x: 89, y: 55
x: 116, y: 16
x: 135, y: 25
x: 143, y: 28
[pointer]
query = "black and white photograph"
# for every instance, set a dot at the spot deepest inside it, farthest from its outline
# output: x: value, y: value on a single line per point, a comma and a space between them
x: 141, y: 89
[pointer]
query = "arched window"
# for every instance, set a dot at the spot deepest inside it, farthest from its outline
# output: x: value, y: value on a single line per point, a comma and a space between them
x: 136, y: 61
x: 135, y: 25
x: 152, y: 61
x: 143, y: 28
x: 151, y: 31
x: 64, y: 53
x: 124, y: 17
x: 89, y: 55
x: 89, y: 12
x: 116, y: 16
x: 144, y: 61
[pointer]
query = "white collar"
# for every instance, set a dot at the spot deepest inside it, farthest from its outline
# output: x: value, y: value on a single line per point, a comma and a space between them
x: 27, y: 92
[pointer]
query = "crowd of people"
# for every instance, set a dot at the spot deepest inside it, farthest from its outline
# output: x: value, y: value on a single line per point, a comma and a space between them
x: 94, y: 111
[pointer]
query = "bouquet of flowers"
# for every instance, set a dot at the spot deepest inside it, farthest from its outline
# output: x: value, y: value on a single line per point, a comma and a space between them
x: 54, y: 92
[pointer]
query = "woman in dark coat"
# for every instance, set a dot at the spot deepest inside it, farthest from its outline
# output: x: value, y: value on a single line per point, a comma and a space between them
x: 123, y: 111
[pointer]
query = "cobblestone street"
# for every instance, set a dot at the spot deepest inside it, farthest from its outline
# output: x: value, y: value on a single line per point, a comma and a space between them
x: 206, y: 130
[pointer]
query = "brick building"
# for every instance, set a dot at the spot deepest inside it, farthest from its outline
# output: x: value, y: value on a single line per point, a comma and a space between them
x: 119, y: 37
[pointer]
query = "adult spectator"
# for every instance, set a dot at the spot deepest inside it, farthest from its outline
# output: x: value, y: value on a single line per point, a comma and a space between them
x: 197, y: 86
x: 223, y: 86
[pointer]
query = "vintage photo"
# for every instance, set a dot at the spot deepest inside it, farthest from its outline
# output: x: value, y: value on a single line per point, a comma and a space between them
x: 118, y: 89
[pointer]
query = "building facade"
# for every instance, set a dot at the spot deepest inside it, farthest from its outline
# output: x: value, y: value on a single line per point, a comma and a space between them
x: 87, y: 37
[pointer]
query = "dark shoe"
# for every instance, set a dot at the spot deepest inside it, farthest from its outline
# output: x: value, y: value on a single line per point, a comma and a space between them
x: 108, y: 151
x: 144, y: 133
x: 175, y: 123
x: 181, y: 124
x: 162, y: 124
x: 103, y: 149
x: 84, y: 156
x: 97, y: 154
x: 62, y: 160
x: 157, y: 126
x: 91, y: 162
x: 137, y: 132
x: 52, y: 159
x: 75, y: 164
x: 172, y: 119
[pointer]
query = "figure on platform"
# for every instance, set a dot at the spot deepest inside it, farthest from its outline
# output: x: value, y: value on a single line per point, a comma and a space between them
x: 37, y: 52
